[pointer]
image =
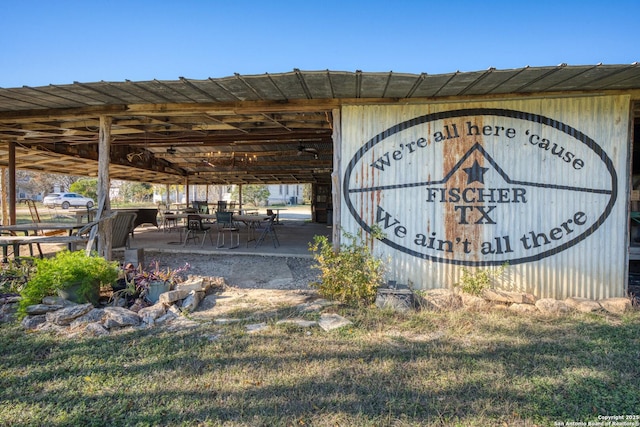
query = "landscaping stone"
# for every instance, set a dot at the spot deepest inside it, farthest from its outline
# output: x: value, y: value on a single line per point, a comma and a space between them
x: 190, y: 303
x: 193, y: 284
x: 616, y: 305
x: 118, y: 317
x: 170, y: 297
x: 32, y: 322
x: 508, y: 296
x: 440, y: 300
x: 298, y: 322
x: 330, y: 321
x: 474, y: 302
x: 523, y: 308
x: 256, y: 327
x: 584, y: 305
x: 151, y: 313
x: 316, y: 305
x: 551, y: 306
x: 96, y: 329
x: 395, y: 299
x: 42, y: 308
x: 95, y: 315
x: 55, y: 300
x: 65, y: 316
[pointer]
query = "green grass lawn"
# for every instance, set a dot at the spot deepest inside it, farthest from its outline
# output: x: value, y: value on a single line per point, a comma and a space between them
x: 387, y: 369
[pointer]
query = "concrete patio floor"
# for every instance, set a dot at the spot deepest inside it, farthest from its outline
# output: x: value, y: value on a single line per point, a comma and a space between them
x: 294, y: 232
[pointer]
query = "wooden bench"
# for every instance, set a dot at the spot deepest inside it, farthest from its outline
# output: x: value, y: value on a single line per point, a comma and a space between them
x: 17, y: 241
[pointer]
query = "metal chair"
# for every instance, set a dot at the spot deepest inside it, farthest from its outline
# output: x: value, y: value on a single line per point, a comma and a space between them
x: 225, y: 224
x: 195, y: 226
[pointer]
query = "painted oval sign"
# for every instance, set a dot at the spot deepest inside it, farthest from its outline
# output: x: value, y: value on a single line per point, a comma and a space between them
x: 481, y: 186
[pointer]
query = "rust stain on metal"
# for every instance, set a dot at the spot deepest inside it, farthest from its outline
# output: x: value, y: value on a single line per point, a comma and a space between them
x: 456, y: 231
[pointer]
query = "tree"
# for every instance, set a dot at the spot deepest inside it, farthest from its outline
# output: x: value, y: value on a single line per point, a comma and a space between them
x: 136, y: 191
x: 255, y: 195
x: 86, y: 186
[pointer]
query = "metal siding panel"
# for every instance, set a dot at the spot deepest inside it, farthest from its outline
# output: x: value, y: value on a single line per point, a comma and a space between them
x: 592, y: 267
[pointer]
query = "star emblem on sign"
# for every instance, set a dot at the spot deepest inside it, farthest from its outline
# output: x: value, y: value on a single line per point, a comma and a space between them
x: 475, y: 173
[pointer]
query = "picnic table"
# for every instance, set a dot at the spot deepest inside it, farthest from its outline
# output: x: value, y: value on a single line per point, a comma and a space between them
x: 9, y: 236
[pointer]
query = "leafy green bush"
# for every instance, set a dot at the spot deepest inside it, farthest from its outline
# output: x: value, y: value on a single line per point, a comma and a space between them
x: 65, y: 270
x: 477, y: 281
x: 352, y: 275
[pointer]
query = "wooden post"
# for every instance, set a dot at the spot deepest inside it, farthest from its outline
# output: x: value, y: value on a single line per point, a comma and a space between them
x: 240, y: 198
x: 5, y: 199
x: 186, y: 190
x: 11, y: 182
x: 104, y: 204
x: 336, y: 187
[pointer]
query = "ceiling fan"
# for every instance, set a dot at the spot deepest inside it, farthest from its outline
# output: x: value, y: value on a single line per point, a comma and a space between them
x: 304, y: 150
x: 171, y: 150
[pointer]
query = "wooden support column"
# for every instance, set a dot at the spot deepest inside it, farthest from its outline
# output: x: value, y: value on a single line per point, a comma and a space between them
x: 11, y: 182
x: 186, y: 190
x: 5, y: 199
x: 336, y: 184
x: 240, y: 197
x: 104, y: 203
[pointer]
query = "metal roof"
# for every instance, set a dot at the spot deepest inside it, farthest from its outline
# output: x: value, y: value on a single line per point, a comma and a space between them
x: 269, y: 128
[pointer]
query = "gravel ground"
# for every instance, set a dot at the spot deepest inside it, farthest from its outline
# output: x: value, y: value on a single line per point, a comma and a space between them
x: 248, y: 271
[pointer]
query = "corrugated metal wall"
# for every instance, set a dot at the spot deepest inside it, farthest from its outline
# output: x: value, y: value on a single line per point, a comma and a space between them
x: 540, y: 185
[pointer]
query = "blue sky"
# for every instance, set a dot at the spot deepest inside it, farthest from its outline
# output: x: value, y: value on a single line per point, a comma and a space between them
x: 59, y: 42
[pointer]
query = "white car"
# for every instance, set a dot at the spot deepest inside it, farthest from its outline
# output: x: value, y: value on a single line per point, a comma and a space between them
x: 65, y: 200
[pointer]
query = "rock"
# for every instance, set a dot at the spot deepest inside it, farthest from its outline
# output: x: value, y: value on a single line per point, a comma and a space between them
x: 330, y: 321
x: 65, y: 316
x: 473, y: 302
x: 395, y: 299
x: 42, y: 308
x: 298, y: 322
x: 95, y: 315
x: 32, y: 322
x: 440, y: 300
x: 120, y: 317
x: 584, y: 305
x: 168, y: 317
x: 256, y: 327
x: 616, y: 305
x: 150, y: 314
x: 51, y: 300
x: 190, y: 303
x: 316, y: 305
x: 508, y: 297
x: 523, y: 308
x: 193, y: 284
x: 11, y: 299
x: 96, y: 329
x: 170, y: 297
x: 551, y: 306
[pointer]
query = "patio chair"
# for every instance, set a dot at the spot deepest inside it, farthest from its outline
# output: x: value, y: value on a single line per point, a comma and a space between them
x: 122, y: 226
x: 225, y: 225
x: 269, y: 230
x: 194, y: 227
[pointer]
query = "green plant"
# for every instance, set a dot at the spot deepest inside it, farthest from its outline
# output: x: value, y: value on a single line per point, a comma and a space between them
x: 474, y: 282
x: 137, y: 280
x: 350, y: 275
x: 14, y: 275
x: 64, y: 271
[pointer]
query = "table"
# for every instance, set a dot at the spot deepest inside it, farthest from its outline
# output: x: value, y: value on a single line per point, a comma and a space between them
x: 35, y: 227
x: 252, y: 222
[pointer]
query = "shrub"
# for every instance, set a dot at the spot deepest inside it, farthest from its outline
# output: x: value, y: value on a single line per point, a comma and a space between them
x: 351, y: 275
x: 475, y: 282
x: 65, y: 270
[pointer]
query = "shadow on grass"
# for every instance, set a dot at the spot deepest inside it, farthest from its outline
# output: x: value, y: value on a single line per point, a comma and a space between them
x: 537, y: 370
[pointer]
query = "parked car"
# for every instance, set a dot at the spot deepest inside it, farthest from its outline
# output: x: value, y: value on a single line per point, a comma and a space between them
x: 65, y: 200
